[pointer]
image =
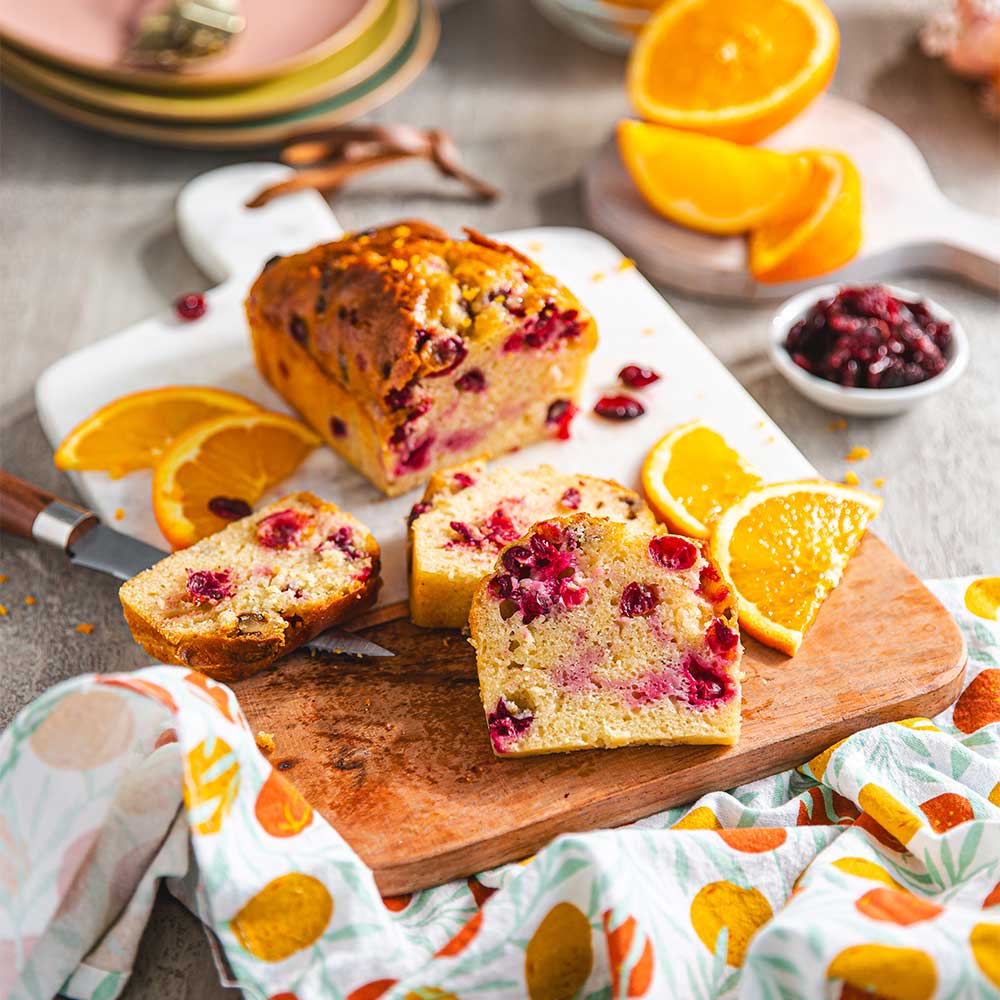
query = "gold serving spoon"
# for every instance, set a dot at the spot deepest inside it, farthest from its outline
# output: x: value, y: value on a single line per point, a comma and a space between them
x: 185, y: 31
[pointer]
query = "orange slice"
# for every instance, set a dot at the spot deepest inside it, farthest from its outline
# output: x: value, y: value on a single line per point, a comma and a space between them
x: 784, y: 548
x: 236, y: 457
x: 737, y: 69
x: 131, y: 432
x: 821, y: 229
x: 691, y: 475
x: 709, y: 184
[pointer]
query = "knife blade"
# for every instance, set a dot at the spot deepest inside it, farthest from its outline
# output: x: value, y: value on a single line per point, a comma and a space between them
x: 32, y: 513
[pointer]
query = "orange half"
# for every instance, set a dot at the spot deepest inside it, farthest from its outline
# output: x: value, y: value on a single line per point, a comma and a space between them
x: 131, y: 432
x: 236, y: 457
x: 784, y: 548
x: 737, y: 69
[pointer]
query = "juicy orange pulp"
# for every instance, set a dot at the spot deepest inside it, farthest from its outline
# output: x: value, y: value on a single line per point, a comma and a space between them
x: 738, y: 69
x: 709, y: 184
x: 238, y: 457
x: 819, y: 231
x: 784, y: 548
x: 691, y: 475
x: 130, y: 432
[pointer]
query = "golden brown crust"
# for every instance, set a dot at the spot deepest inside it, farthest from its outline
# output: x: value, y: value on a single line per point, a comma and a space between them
x: 231, y: 658
x: 376, y: 309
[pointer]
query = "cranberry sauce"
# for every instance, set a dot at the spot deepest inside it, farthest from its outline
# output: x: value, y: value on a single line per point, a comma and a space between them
x: 867, y: 338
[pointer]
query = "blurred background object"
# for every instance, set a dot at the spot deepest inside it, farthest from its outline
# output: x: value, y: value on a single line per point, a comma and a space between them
x: 966, y: 34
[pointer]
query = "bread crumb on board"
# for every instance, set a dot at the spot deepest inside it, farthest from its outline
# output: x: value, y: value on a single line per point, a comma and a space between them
x: 84, y: 628
x: 265, y: 742
x: 857, y: 454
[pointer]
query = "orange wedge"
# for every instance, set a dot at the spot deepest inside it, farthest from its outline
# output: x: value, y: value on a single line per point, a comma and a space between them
x: 234, y: 458
x: 691, y: 475
x: 130, y: 432
x: 737, y: 69
x: 821, y: 229
x: 709, y: 184
x: 783, y: 549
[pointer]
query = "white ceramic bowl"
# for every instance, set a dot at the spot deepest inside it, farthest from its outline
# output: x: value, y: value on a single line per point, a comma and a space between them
x: 863, y: 402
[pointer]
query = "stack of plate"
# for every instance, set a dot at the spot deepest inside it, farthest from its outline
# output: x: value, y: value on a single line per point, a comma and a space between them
x: 294, y: 69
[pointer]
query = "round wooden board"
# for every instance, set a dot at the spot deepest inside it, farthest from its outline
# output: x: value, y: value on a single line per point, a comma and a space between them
x: 361, y: 59
x: 908, y: 223
x: 358, y: 101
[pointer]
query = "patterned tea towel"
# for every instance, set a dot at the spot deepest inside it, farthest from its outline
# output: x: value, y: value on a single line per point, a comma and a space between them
x: 873, y: 869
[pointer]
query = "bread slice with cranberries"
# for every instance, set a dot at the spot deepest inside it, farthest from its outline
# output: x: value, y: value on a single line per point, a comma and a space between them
x: 236, y: 601
x: 468, y: 514
x: 590, y: 633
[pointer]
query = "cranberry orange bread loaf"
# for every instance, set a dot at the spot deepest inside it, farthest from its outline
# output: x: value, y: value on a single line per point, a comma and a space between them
x: 407, y: 350
x: 591, y: 633
x: 264, y: 585
x: 468, y: 515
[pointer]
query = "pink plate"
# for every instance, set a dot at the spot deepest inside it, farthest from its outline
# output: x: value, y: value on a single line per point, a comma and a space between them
x: 91, y: 36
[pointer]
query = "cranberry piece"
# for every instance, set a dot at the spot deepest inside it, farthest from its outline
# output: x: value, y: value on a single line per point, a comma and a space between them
x: 337, y: 427
x: 463, y: 480
x: 560, y: 415
x: 721, y: 639
x: 638, y: 600
x: 514, y: 560
x: 673, y: 552
x: 464, y: 531
x: 707, y: 684
x: 472, y: 381
x: 298, y: 329
x: 619, y: 408
x: 416, y: 510
x: 191, y: 306
x: 506, y: 727
x: 229, y: 508
x: 449, y: 354
x: 571, y: 498
x: 343, y: 539
x: 416, y: 458
x: 499, y: 528
x: 207, y: 586
x: 398, y: 399
x: 513, y: 343
x: 363, y: 574
x: 283, y: 529
x: 636, y: 377
x: 502, y: 586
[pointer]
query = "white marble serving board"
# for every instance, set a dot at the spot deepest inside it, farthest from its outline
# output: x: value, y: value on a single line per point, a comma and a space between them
x: 231, y: 242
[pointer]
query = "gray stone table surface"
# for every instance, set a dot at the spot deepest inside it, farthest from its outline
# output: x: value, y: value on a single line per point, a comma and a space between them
x: 89, y: 247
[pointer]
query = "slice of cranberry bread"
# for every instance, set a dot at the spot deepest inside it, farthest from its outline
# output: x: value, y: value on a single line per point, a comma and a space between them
x: 407, y: 350
x: 236, y: 601
x: 468, y: 515
x: 593, y: 634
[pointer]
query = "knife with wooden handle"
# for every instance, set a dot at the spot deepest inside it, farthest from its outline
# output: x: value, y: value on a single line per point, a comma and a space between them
x: 30, y: 512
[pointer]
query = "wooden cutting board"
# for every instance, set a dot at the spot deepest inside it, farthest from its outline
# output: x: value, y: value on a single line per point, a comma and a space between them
x: 396, y: 754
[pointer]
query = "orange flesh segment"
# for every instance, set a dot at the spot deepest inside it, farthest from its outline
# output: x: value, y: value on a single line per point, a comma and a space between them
x: 131, y: 432
x: 736, y: 52
x: 236, y: 462
x: 791, y: 553
x: 705, y: 475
